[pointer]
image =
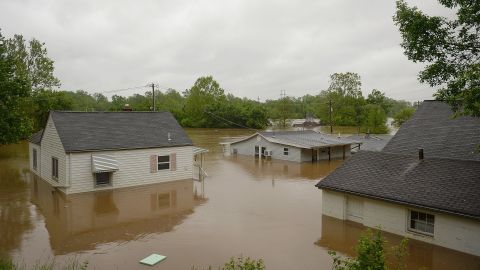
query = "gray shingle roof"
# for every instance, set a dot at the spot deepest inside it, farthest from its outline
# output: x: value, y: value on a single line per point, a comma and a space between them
x: 36, y: 138
x: 445, y: 185
x: 94, y: 131
x: 305, y: 139
x: 433, y: 129
x: 371, y: 142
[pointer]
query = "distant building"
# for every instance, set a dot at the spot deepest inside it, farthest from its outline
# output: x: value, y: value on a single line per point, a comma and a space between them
x: 298, y: 146
x: 424, y: 184
x: 88, y: 151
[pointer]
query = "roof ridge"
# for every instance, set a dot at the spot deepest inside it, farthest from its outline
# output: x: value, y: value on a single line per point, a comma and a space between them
x: 413, y: 156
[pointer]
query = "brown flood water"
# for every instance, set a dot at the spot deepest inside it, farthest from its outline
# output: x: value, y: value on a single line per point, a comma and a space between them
x: 261, y: 209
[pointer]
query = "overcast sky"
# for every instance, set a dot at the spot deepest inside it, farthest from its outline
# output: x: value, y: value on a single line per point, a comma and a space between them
x: 253, y: 48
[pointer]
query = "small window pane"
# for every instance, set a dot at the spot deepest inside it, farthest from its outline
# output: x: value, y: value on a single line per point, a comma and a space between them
x: 414, y: 215
x: 430, y: 219
x: 102, y: 178
x: 163, y: 166
x: 429, y: 228
x: 422, y: 216
x: 163, y: 158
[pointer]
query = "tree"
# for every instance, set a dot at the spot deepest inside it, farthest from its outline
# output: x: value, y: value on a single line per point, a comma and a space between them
x: 450, y: 47
x: 402, y: 116
x: 377, y: 97
x: 202, y: 99
x: 42, y: 102
x: 376, y: 119
x: 371, y: 254
x: 32, y: 62
x: 347, y: 99
x: 14, y: 122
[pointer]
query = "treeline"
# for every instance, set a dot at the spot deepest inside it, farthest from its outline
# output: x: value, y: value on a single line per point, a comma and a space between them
x: 27, y: 95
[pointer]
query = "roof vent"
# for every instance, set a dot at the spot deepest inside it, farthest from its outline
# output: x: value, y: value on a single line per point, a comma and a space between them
x: 420, y: 153
x: 169, y: 137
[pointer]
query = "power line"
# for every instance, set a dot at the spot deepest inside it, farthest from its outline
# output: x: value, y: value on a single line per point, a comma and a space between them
x: 226, y: 120
x: 124, y: 89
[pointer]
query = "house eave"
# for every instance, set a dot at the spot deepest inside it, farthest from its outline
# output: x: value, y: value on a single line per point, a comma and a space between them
x: 399, y: 202
x: 123, y: 149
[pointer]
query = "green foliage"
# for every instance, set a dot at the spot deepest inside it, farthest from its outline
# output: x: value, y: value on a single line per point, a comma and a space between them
x: 71, y: 264
x: 241, y: 263
x: 14, y: 90
x: 450, y: 48
x: 32, y: 63
x: 402, y: 116
x: 42, y: 102
x: 371, y: 254
x: 376, y: 119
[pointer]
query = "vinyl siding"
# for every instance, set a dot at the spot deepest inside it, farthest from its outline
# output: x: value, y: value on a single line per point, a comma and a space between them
x: 295, y: 154
x: 455, y: 232
x: 51, y: 146
x: 247, y: 148
x: 134, y: 168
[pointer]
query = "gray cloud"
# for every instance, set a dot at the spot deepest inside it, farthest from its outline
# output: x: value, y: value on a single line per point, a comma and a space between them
x: 253, y: 48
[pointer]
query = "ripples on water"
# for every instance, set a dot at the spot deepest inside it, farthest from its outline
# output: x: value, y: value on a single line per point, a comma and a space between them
x: 262, y: 209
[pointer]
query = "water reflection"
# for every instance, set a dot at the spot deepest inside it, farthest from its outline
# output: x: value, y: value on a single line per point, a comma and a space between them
x: 280, y: 169
x: 342, y: 236
x: 81, y: 222
x: 15, y: 211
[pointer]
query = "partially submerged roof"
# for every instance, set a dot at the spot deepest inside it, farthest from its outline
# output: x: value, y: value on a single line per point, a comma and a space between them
x: 36, y: 138
x: 371, y: 142
x: 308, y: 139
x: 434, y: 129
x: 446, y: 180
x: 445, y: 185
x: 95, y: 131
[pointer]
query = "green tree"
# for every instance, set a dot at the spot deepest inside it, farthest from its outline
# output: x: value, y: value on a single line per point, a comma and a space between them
x: 14, y: 122
x: 347, y: 99
x: 377, y: 97
x: 202, y: 99
x: 402, y: 116
x: 451, y: 49
x: 42, y: 102
x: 376, y: 119
x: 32, y: 62
x: 371, y: 254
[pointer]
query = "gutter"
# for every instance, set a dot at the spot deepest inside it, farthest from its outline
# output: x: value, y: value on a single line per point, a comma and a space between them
x: 398, y: 201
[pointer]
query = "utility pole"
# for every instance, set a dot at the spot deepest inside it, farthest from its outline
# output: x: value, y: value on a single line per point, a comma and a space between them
x: 282, y: 99
x: 330, y: 114
x: 153, y: 95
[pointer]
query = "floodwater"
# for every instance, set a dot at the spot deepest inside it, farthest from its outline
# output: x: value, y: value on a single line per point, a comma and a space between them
x: 257, y: 208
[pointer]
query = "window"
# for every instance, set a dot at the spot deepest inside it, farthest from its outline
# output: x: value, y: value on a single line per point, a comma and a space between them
x: 34, y: 161
x: 55, y: 168
x: 285, y: 151
x: 102, y: 179
x: 163, y: 162
x: 421, y: 222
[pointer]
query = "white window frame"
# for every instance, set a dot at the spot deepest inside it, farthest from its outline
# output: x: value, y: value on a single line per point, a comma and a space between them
x: 425, y: 223
x: 163, y: 162
x: 55, y: 168
x: 286, y: 151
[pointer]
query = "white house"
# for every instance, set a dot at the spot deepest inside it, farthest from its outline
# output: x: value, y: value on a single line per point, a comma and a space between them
x: 424, y: 184
x: 88, y: 151
x: 297, y: 146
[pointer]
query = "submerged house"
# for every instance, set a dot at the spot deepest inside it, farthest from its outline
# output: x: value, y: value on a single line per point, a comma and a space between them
x: 298, y: 146
x: 424, y: 184
x: 89, y: 151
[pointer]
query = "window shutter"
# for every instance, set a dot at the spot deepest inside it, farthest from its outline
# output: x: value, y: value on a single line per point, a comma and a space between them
x: 173, y: 161
x: 153, y: 164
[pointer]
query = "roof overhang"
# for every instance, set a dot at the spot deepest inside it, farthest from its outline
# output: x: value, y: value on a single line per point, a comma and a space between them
x: 319, y: 186
x: 104, y: 163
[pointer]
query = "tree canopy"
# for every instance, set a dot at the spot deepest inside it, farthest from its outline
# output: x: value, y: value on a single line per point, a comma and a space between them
x: 451, y: 49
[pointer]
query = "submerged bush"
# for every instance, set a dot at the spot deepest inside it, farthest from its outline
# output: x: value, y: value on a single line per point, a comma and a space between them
x: 241, y: 263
